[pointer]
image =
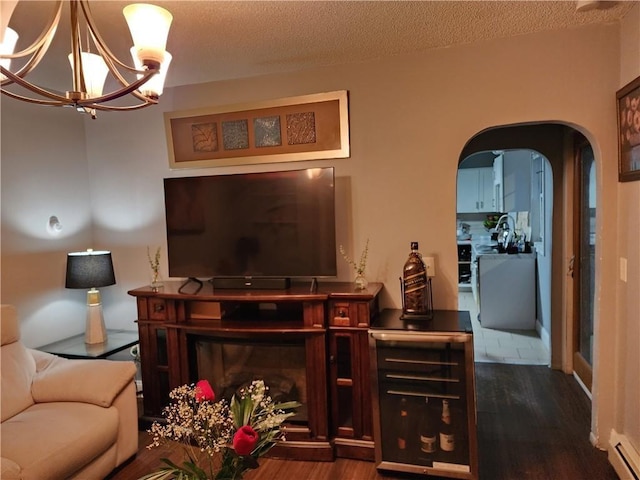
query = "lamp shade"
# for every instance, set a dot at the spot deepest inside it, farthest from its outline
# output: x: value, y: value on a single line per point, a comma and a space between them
x: 7, y: 45
x: 95, y: 72
x: 90, y: 269
x: 155, y: 85
x: 149, y: 26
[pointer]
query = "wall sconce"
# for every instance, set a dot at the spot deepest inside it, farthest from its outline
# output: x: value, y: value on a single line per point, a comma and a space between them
x: 91, y: 270
x: 54, y: 227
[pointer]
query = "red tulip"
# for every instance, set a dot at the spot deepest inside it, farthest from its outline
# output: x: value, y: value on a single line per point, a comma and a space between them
x: 204, y: 391
x: 244, y: 440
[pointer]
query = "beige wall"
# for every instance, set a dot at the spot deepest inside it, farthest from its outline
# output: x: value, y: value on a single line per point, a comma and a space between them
x: 410, y: 118
x: 627, y: 420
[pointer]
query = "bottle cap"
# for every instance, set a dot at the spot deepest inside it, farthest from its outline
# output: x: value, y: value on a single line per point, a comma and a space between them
x: 414, y: 245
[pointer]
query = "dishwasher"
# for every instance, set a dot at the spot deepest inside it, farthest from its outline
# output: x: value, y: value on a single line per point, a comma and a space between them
x: 507, y: 291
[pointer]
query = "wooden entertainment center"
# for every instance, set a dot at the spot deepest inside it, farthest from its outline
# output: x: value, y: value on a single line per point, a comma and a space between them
x: 330, y: 323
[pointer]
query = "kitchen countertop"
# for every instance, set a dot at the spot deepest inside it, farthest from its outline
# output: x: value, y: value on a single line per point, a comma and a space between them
x: 492, y: 251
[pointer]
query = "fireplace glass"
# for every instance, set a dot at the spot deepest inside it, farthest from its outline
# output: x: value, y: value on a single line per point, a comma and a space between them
x: 229, y: 364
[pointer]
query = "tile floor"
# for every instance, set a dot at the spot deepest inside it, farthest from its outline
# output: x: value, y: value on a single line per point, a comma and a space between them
x: 522, y: 347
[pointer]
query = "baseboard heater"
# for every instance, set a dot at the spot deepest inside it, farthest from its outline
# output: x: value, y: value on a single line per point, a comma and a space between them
x: 624, y: 457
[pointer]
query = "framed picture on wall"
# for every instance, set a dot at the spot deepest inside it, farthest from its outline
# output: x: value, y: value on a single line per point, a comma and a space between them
x: 628, y: 107
x: 308, y: 127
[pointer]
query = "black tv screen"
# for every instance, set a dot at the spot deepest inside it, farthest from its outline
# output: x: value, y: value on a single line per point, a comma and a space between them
x: 274, y: 224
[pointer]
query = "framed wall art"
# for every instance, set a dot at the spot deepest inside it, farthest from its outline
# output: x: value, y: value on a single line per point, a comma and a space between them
x: 308, y: 127
x: 628, y: 100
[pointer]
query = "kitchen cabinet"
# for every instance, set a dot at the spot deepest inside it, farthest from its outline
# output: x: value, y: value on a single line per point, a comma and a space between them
x: 464, y: 265
x: 475, y: 190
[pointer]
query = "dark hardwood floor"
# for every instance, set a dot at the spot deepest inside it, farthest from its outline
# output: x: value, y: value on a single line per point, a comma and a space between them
x: 533, y: 423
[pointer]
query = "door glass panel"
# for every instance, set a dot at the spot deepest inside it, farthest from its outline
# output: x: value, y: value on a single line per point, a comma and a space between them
x: 587, y: 253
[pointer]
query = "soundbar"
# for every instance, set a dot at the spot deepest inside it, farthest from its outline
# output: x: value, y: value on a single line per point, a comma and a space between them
x: 250, y: 283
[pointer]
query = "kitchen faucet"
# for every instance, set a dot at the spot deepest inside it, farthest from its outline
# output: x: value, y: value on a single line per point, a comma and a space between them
x: 507, y: 233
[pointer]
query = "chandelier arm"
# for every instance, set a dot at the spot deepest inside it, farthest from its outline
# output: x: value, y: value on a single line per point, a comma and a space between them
x: 33, y: 88
x: 33, y: 61
x: 63, y: 102
x: 101, y: 45
x: 45, y: 37
x: 78, y: 83
x: 111, y: 62
x: 113, y: 108
x: 119, y: 93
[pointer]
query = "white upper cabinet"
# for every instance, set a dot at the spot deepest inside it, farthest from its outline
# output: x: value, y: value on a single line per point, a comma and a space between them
x: 475, y: 190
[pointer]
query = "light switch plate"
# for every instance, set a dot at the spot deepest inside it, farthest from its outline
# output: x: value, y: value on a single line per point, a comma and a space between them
x: 623, y: 269
x: 430, y: 263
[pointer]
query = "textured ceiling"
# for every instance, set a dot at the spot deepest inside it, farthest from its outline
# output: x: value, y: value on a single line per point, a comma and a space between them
x: 219, y: 40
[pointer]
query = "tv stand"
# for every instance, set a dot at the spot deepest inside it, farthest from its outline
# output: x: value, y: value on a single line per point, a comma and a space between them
x: 250, y: 283
x: 331, y: 323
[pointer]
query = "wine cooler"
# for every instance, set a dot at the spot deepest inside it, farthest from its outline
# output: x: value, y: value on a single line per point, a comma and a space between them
x: 424, y: 394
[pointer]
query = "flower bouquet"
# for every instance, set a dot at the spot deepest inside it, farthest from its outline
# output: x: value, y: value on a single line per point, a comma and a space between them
x: 221, y: 440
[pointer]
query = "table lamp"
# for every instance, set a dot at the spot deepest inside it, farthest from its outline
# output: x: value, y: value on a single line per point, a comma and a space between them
x: 91, y: 269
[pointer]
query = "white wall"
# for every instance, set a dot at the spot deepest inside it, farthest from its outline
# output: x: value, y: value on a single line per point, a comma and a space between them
x: 410, y: 118
x: 44, y: 173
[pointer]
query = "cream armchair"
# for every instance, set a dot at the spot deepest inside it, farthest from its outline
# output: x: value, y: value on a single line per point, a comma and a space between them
x: 62, y: 418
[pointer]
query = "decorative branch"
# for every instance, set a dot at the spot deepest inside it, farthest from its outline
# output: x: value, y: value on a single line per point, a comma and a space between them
x: 361, y: 266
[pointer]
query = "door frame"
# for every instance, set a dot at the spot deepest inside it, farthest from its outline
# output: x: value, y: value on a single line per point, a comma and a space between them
x: 580, y: 367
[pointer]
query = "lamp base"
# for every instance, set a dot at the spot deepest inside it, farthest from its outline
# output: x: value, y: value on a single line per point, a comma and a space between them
x: 95, y: 331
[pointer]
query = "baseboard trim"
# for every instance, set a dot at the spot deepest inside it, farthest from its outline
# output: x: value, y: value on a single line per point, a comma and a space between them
x: 583, y: 386
x: 624, y: 458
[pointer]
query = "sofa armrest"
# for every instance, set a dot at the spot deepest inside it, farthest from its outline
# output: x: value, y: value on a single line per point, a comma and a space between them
x: 91, y: 381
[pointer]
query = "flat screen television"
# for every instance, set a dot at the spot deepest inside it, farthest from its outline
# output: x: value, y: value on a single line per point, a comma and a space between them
x: 254, y: 225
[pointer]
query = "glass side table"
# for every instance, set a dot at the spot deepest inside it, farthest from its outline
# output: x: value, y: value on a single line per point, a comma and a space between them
x: 74, y: 347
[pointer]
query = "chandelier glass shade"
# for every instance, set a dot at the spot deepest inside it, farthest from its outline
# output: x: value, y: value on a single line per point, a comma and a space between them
x: 149, y: 27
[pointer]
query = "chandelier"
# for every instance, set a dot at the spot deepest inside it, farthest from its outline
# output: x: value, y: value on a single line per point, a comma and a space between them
x: 149, y: 27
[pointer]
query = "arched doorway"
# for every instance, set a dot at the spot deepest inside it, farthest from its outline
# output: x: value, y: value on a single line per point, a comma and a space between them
x: 507, y: 294
x: 557, y: 143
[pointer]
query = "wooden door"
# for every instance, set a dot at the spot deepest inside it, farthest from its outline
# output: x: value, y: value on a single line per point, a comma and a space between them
x: 584, y: 261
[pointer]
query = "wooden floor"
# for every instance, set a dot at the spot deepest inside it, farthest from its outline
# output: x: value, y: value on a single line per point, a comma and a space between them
x: 533, y: 423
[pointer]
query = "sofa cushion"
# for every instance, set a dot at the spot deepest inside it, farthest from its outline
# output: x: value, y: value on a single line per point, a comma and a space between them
x: 17, y: 369
x: 9, y: 470
x: 91, y: 381
x: 64, y: 436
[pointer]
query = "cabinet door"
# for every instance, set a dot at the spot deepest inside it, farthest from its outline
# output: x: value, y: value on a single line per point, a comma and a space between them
x: 467, y: 194
x: 475, y: 190
x: 486, y: 202
x: 351, y: 401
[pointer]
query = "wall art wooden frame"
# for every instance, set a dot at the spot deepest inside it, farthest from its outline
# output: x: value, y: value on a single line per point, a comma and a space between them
x: 308, y: 127
x: 628, y: 108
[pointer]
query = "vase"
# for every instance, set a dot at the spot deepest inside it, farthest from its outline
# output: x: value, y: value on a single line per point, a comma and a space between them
x: 156, y: 280
x: 361, y: 282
